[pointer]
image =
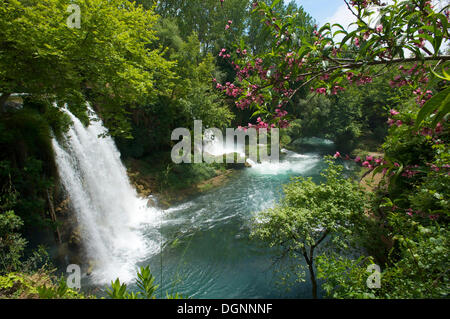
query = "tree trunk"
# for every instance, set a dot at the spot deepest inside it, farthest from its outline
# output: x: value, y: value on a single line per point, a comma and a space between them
x: 54, y: 218
x: 310, y: 261
x: 3, y: 100
x: 313, y: 279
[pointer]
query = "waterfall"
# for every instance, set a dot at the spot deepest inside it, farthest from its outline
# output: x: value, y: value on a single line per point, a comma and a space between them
x: 111, y: 216
x: 218, y: 146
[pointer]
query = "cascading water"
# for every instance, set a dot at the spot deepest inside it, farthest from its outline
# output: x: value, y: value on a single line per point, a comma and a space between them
x: 214, y: 146
x: 111, y: 217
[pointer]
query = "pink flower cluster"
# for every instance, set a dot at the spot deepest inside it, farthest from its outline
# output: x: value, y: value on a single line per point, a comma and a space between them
x: 335, y: 89
x: 436, y: 168
x: 280, y: 113
x: 260, y: 124
x: 364, y: 80
x: 422, y: 97
x: 410, y: 212
x: 404, y: 79
x: 426, y: 131
x: 410, y: 172
x: 251, y: 97
x: 223, y: 53
x: 391, y: 121
x: 320, y: 90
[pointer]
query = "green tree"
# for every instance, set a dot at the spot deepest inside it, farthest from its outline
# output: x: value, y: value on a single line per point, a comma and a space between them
x: 107, y: 59
x: 312, y: 215
x: 207, y: 18
x: 417, y: 268
x: 191, y: 97
x: 12, y: 243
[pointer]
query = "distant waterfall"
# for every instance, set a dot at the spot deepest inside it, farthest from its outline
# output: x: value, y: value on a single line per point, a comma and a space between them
x: 112, y: 218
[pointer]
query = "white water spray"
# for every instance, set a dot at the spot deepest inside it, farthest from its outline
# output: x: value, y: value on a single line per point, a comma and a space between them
x: 111, y: 216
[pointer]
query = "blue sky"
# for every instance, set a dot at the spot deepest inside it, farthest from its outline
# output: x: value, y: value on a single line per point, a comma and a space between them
x: 323, y: 10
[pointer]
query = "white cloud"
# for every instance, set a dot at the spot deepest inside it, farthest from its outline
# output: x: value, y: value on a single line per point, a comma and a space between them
x: 343, y: 16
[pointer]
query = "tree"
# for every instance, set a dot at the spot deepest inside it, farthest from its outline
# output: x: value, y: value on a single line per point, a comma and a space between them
x: 421, y: 272
x: 312, y: 215
x: 192, y: 95
x: 259, y: 37
x: 207, y: 18
x: 268, y: 81
x: 11, y: 243
x: 105, y: 61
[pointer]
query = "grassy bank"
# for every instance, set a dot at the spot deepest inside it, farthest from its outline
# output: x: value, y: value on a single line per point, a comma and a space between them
x: 172, y: 183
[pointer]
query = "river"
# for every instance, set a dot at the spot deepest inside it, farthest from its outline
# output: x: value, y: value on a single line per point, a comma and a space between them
x: 199, y: 248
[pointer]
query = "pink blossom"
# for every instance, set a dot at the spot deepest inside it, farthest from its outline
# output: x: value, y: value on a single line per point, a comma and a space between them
x: 394, y: 112
x: 379, y: 28
x: 390, y: 122
x: 337, y: 155
x: 366, y: 35
x: 321, y: 90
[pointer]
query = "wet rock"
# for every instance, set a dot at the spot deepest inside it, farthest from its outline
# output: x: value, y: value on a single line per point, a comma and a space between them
x: 75, y: 240
x: 151, y: 202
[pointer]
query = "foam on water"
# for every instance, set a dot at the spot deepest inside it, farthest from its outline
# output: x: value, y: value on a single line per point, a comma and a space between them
x: 293, y: 163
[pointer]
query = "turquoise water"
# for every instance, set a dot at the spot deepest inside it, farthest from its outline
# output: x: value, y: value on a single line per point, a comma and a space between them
x: 207, y: 252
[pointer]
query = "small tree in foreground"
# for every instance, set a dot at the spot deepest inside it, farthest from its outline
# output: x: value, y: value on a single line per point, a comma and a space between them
x: 312, y: 215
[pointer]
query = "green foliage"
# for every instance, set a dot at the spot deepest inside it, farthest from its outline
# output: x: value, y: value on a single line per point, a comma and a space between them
x: 38, y: 284
x: 207, y: 18
x: 145, y: 283
x: 181, y: 176
x: 440, y: 103
x: 300, y: 59
x: 416, y: 269
x: 59, y: 291
x: 11, y: 243
x: 15, y: 284
x: 311, y: 213
x: 310, y: 210
x: 192, y: 97
x: 344, y: 277
x: 107, y: 57
x: 410, y: 216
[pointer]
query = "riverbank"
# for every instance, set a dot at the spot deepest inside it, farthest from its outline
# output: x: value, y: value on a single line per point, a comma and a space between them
x: 170, y: 183
x: 369, y: 181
